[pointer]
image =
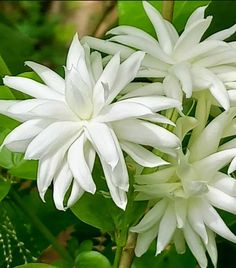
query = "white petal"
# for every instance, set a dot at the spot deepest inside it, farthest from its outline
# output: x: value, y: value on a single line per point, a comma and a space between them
x: 144, y: 240
x: 191, y: 36
x: 179, y: 241
x: 224, y: 34
x: 224, y: 183
x: 126, y: 73
x: 208, y: 141
x: 216, y: 87
x: 50, y: 78
x: 180, y: 211
x: 172, y: 88
x: 182, y: 72
x: 100, y: 134
x: 160, y: 176
x: 61, y: 184
x: 209, y: 165
x: 47, y: 169
x: 141, y: 155
x: 215, y: 223
x: 160, y: 27
x: 151, y: 218
x: 144, y: 45
x: 195, y: 245
x: 167, y: 228
x: 118, y: 195
x: 76, y: 193
x: 198, y: 14
x: 96, y: 64
x: 221, y: 200
x: 105, y: 83
x: 19, y: 138
x: 79, y: 166
x: 156, y: 103
x: 196, y: 221
x: 78, y: 94
x: 148, y: 89
x: 107, y: 46
x: 32, y: 88
x: 211, y: 247
x: 52, y: 138
x: 130, y: 30
x: 138, y: 131
x: 122, y: 110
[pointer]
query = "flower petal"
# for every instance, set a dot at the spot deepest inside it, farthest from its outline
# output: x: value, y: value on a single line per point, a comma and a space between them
x: 52, y: 138
x: 61, y: 184
x: 224, y: 34
x: 198, y: 14
x: 167, y: 228
x: 140, y: 132
x: 100, y: 134
x: 50, y: 78
x: 225, y: 183
x: 159, y: 26
x: 141, y: 155
x: 32, y: 88
x: 76, y: 193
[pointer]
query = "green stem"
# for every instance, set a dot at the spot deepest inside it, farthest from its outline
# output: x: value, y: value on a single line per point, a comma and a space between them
x: 168, y: 9
x: 119, y: 250
x: 41, y: 227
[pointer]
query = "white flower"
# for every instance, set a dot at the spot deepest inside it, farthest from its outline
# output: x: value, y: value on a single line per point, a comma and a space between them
x: 185, y: 62
x: 68, y: 121
x: 184, y: 194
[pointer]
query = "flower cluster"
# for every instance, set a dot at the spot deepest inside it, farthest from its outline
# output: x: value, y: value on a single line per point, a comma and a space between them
x: 97, y: 109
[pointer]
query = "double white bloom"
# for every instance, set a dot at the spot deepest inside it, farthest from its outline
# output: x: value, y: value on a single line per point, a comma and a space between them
x: 71, y: 120
x: 185, y: 63
x: 188, y: 190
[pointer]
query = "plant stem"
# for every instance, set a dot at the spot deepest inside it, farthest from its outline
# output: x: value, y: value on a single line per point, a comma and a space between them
x: 128, y: 251
x: 119, y: 250
x: 41, y: 227
x: 168, y: 9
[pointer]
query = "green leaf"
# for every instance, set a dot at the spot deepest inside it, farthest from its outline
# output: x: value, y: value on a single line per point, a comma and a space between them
x: 4, y: 188
x: 3, y: 68
x: 92, y: 259
x: 26, y: 169
x: 5, y: 93
x: 35, y: 265
x: 95, y: 210
x: 182, y: 10
x: 15, y: 48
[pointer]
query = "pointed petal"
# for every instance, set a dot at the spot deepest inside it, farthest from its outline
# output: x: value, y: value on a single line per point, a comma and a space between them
x: 195, y: 245
x: 19, y: 138
x: 76, y: 192
x: 141, y: 155
x: 179, y: 241
x: 79, y: 166
x: 156, y: 103
x: 182, y: 72
x: 52, y: 138
x: 151, y: 218
x: 78, y: 94
x: 167, y: 228
x: 61, y: 184
x: 211, y: 247
x: 224, y: 34
x: 100, y: 134
x: 180, y: 205
x: 160, y: 27
x: 50, y: 78
x: 32, y: 88
x: 126, y: 73
x: 225, y: 183
x: 96, y: 64
x: 221, y: 200
x: 196, y: 221
x: 144, y: 240
x: 191, y: 36
x: 198, y: 14
x: 215, y: 223
x: 107, y: 46
x: 138, y: 131
x: 172, y: 88
x: 122, y: 110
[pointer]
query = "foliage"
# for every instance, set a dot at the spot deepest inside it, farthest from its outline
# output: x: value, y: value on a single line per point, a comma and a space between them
x: 32, y: 34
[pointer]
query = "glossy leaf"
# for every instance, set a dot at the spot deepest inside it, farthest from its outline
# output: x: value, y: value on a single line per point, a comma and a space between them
x: 92, y: 259
x: 4, y: 188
